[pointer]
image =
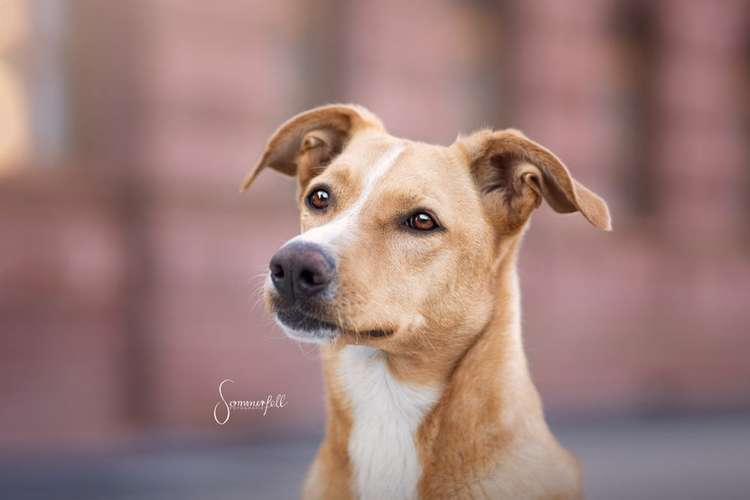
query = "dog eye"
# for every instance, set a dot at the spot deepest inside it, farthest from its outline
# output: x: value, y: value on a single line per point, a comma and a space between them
x: 319, y: 199
x: 422, y: 221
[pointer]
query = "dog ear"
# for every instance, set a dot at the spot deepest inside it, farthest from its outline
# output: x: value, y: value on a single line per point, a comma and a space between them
x: 306, y: 143
x: 515, y: 173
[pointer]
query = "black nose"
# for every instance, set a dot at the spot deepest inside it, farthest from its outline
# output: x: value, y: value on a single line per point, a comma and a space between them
x: 300, y: 270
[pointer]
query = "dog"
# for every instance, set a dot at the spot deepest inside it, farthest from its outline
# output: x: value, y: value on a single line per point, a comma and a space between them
x: 405, y: 274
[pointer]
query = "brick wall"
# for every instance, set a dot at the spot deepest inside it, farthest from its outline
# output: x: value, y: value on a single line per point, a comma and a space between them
x: 130, y: 273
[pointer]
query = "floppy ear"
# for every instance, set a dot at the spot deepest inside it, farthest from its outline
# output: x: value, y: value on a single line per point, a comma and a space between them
x: 515, y: 173
x: 306, y: 143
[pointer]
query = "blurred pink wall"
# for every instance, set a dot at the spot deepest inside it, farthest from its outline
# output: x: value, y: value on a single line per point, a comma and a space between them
x: 130, y: 267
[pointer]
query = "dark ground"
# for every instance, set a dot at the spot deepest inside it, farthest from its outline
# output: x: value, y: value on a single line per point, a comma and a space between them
x: 695, y: 458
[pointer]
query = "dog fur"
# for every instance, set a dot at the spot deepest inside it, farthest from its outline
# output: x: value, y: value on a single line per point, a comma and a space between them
x: 443, y: 406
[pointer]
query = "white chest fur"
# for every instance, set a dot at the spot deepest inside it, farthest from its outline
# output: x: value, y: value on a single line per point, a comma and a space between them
x: 386, y: 415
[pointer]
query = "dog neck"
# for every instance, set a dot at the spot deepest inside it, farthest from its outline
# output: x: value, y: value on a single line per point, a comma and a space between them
x: 386, y: 410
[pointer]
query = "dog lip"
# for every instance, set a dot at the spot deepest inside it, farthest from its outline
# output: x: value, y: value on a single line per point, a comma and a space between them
x: 374, y: 334
x: 294, y: 318
x: 301, y: 321
x: 378, y: 333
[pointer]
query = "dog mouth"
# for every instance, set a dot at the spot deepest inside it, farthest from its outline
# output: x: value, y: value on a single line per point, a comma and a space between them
x: 303, y: 321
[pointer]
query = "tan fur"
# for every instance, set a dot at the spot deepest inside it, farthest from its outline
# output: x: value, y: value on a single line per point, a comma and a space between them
x: 451, y: 299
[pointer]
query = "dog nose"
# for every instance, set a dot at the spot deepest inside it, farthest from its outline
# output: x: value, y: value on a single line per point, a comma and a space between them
x: 300, y: 270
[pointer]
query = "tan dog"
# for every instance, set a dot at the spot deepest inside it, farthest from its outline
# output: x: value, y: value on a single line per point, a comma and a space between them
x: 405, y: 273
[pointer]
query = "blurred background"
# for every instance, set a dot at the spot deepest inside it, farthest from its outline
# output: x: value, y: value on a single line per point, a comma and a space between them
x: 129, y: 262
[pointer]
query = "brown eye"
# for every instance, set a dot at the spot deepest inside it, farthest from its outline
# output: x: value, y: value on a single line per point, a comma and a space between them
x: 319, y: 199
x: 422, y: 221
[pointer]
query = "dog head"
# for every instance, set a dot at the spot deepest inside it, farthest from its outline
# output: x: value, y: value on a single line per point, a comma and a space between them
x: 401, y: 242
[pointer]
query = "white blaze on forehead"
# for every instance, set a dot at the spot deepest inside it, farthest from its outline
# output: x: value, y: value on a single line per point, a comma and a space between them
x: 343, y: 223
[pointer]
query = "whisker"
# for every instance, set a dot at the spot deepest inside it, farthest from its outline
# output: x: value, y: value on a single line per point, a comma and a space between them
x: 306, y: 354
